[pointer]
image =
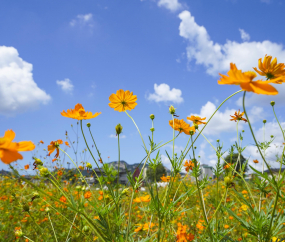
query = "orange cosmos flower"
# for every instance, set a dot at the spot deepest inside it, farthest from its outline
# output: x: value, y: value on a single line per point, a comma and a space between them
x: 273, y: 71
x: 255, y: 161
x: 189, y: 165
x: 79, y: 113
x: 41, y: 142
x: 63, y: 199
x: 9, y: 149
x: 196, y: 120
x: 54, y: 146
x: 87, y: 195
x: 245, y: 80
x: 60, y: 173
x: 165, y: 178
x: 26, y: 167
x: 180, y: 125
x: 238, y: 116
x: 123, y: 100
x: 67, y: 144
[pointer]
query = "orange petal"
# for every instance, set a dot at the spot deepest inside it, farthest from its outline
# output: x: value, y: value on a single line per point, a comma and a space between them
x: 26, y: 146
x: 9, y: 135
x: 8, y: 156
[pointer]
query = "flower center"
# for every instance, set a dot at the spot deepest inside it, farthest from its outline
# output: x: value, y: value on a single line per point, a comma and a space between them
x: 2, y: 141
x: 269, y: 75
x: 81, y: 112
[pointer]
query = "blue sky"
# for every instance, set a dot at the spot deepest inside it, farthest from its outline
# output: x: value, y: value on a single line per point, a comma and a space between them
x: 54, y: 55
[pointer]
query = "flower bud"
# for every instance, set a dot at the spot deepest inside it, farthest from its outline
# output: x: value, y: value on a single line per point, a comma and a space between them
x: 218, y: 140
x: 272, y: 103
x: 85, y: 229
x: 191, y: 132
x: 38, y: 162
x: 264, y: 121
x: 125, y: 191
x: 152, y: 129
x: 83, y: 188
x: 88, y: 165
x: 196, y: 126
x: 119, y: 128
x: 271, y: 136
x: 172, y: 110
x: 228, y: 180
x: 47, y: 209
x: 44, y: 171
x: 18, y: 233
x: 36, y: 195
x: 26, y: 207
x: 88, y: 125
x: 152, y: 116
x: 78, y: 187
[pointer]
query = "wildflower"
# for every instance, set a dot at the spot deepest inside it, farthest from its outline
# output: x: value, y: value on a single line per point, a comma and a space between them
x: 123, y: 100
x: 196, y: 120
x: 60, y: 173
x: 238, y: 116
x: 245, y: 80
x: 79, y: 113
x: 87, y: 194
x: 231, y: 217
x: 273, y: 71
x: 244, y: 207
x: 54, y: 146
x: 41, y: 142
x: 63, y: 199
x: 226, y: 226
x: 179, y: 125
x: 139, y: 228
x: 44, y: 171
x: 172, y: 110
x: 165, y: 179
x: 67, y: 144
x: 26, y: 167
x: 9, y: 149
x: 255, y: 161
x: 188, y: 165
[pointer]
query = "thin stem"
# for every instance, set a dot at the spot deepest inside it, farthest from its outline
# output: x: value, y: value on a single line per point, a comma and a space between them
x: 211, y: 118
x: 71, y: 227
x: 52, y: 228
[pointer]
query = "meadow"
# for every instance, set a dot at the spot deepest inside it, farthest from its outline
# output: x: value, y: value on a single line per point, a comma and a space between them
x: 54, y: 206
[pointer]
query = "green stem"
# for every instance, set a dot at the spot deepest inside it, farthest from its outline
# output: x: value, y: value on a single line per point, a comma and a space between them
x: 52, y: 228
x: 211, y: 118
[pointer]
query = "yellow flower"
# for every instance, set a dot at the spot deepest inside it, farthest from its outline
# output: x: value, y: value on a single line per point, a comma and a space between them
x: 273, y: 71
x: 9, y: 149
x: 180, y: 125
x: 123, y: 100
x: 79, y: 113
x: 244, y: 207
x: 245, y: 80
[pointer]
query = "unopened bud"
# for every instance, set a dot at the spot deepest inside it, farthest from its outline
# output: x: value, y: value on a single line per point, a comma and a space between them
x: 272, y: 103
x: 86, y: 229
x: 47, y: 209
x: 18, y: 233
x: 44, y: 171
x: 218, y: 140
x: 78, y: 187
x: 152, y: 129
x: 38, y: 162
x: 172, y: 110
x: 264, y: 121
x: 88, y: 125
x: 88, y: 165
x: 152, y: 116
x: 119, y: 128
x: 26, y: 207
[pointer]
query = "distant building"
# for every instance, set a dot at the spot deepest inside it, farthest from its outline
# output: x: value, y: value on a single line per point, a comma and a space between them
x: 206, y: 170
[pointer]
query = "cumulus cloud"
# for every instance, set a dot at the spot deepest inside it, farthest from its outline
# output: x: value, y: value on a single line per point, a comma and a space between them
x: 166, y: 162
x: 172, y: 5
x: 122, y: 136
x: 276, y: 147
x: 221, y: 121
x: 82, y: 20
x: 216, y: 58
x: 162, y: 93
x: 244, y: 36
x: 66, y: 85
x: 18, y: 90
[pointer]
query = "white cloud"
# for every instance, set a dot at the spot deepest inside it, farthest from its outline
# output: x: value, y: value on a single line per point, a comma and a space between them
x: 216, y: 58
x: 122, y: 136
x: 166, y: 162
x: 82, y: 20
x: 244, y: 36
x: 66, y: 85
x: 172, y: 5
x: 18, y: 90
x: 276, y: 147
x: 220, y: 122
x: 162, y: 93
